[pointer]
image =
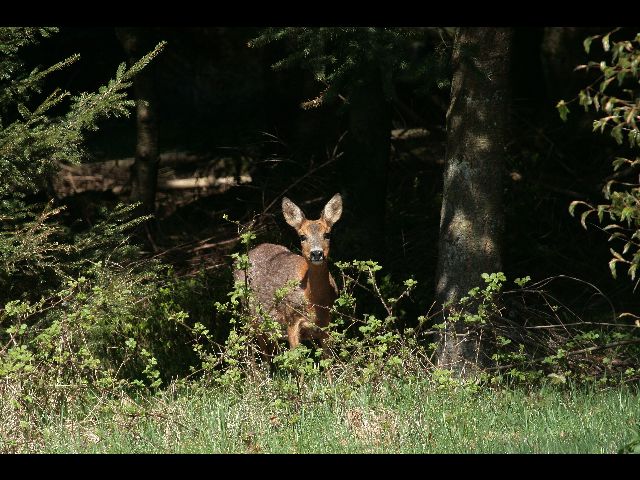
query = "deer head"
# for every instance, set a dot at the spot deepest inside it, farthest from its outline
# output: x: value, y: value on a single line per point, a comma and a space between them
x: 315, y: 235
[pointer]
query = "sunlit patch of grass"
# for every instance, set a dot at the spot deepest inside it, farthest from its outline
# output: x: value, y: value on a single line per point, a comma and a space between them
x: 392, y: 417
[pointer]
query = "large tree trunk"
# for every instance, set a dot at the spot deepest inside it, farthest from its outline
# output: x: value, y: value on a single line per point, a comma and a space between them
x: 365, y: 167
x: 471, y: 219
x: 144, y: 173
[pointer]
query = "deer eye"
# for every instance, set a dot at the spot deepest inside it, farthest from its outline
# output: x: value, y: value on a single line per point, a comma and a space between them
x: 303, y: 238
x: 327, y: 235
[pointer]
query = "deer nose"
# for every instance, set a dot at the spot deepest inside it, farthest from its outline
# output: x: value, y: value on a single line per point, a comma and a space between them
x: 316, y: 255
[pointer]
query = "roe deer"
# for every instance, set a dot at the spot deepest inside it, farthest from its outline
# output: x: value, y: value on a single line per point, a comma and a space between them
x: 310, y: 287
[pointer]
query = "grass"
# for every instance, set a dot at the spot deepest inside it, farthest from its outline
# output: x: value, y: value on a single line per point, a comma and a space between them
x: 409, y: 416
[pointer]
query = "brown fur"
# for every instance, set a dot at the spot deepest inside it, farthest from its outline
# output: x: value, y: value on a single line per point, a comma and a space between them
x: 306, y: 307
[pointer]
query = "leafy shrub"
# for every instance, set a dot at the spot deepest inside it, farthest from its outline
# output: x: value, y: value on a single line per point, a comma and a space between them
x: 72, y: 306
x: 614, y: 97
x: 531, y: 335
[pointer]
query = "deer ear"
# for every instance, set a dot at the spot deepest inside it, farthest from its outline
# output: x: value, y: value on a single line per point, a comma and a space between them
x: 292, y: 213
x: 332, y: 210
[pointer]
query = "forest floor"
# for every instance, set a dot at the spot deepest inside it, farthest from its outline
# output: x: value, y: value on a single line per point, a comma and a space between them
x: 191, y: 200
x: 395, y: 416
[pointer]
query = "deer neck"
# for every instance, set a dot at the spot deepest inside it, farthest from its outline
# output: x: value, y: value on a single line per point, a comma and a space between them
x: 318, y: 292
x: 317, y: 288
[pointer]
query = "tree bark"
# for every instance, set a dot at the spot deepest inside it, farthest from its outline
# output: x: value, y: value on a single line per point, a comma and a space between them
x: 471, y: 219
x: 365, y: 167
x: 144, y: 173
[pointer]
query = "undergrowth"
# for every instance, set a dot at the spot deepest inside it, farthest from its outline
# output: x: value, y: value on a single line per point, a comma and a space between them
x: 125, y: 330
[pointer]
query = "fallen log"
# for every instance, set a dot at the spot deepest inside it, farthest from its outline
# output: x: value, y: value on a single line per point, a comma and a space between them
x: 114, y: 175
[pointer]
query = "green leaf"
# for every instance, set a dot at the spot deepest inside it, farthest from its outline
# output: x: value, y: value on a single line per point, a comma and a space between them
x: 563, y: 110
x: 616, y: 255
x: 627, y: 214
x: 583, y: 218
x: 616, y: 133
x: 587, y: 43
x: 618, y: 162
x: 612, y: 267
x: 597, y: 124
x: 584, y: 98
x: 606, y: 190
x: 605, y: 42
x: 608, y: 106
x: 604, y: 84
x: 620, y: 76
x: 574, y: 204
x: 521, y: 282
x: 557, y: 378
x: 632, y: 271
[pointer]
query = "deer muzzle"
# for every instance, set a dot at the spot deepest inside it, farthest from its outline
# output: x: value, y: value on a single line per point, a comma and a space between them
x: 316, y: 256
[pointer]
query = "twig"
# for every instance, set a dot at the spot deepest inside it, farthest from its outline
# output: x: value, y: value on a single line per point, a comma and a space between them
x: 535, y: 287
x: 574, y: 352
x: 334, y: 156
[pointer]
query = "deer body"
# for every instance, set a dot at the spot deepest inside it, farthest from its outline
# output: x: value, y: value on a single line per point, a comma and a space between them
x: 310, y: 288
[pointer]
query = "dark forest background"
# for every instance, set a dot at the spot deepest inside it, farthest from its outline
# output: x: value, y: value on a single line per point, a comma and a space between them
x: 223, y: 103
x: 487, y: 236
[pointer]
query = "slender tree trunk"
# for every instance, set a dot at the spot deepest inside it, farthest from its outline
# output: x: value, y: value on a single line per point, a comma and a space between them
x: 144, y: 173
x: 471, y: 219
x: 365, y: 167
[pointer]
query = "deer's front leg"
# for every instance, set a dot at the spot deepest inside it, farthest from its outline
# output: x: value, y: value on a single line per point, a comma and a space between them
x: 293, y: 333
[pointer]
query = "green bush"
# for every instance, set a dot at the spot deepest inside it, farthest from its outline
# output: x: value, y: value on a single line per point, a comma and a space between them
x: 614, y: 97
x: 530, y: 336
x: 72, y: 305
